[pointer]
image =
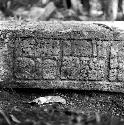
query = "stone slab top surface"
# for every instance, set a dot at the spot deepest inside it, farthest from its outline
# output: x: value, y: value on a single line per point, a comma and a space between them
x: 60, y: 28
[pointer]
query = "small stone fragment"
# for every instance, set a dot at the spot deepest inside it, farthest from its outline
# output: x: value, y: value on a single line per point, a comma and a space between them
x: 49, y: 99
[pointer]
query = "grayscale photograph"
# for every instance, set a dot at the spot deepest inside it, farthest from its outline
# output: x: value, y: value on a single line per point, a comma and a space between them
x: 79, y: 10
x: 61, y: 62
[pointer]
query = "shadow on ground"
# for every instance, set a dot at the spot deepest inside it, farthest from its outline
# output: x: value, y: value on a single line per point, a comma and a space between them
x: 80, y: 105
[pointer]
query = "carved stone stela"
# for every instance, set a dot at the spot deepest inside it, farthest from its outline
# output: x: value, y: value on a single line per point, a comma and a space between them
x: 61, y: 55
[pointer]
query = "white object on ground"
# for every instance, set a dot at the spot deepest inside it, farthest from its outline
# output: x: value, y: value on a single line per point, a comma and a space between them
x: 49, y: 99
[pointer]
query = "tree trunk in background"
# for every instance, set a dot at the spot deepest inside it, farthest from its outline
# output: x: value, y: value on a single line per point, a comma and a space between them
x: 77, y: 6
x: 110, y: 9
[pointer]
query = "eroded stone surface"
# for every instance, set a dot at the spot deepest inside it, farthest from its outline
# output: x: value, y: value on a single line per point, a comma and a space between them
x: 117, y: 61
x: 39, y: 69
x: 24, y: 68
x: 67, y: 47
x: 113, y: 74
x: 50, y: 67
x: 6, y: 56
x: 102, y: 48
x: 120, y: 47
x: 70, y: 68
x: 25, y: 47
x: 66, y: 52
x: 47, y: 47
x: 82, y: 48
x: 49, y: 73
x: 84, y: 68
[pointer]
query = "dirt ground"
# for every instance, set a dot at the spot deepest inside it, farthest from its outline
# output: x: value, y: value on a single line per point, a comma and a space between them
x: 81, y: 107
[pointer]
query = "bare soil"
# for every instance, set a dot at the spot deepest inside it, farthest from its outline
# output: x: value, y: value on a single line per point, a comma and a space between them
x: 81, y: 107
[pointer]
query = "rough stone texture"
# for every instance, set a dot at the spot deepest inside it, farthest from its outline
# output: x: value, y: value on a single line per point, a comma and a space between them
x: 25, y: 47
x: 70, y: 68
x: 117, y: 61
x: 24, y: 68
x: 74, y: 55
x: 82, y: 48
x: 6, y: 56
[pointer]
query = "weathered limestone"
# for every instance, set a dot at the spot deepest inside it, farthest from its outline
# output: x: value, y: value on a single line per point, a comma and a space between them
x: 61, y: 55
x: 6, y: 56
